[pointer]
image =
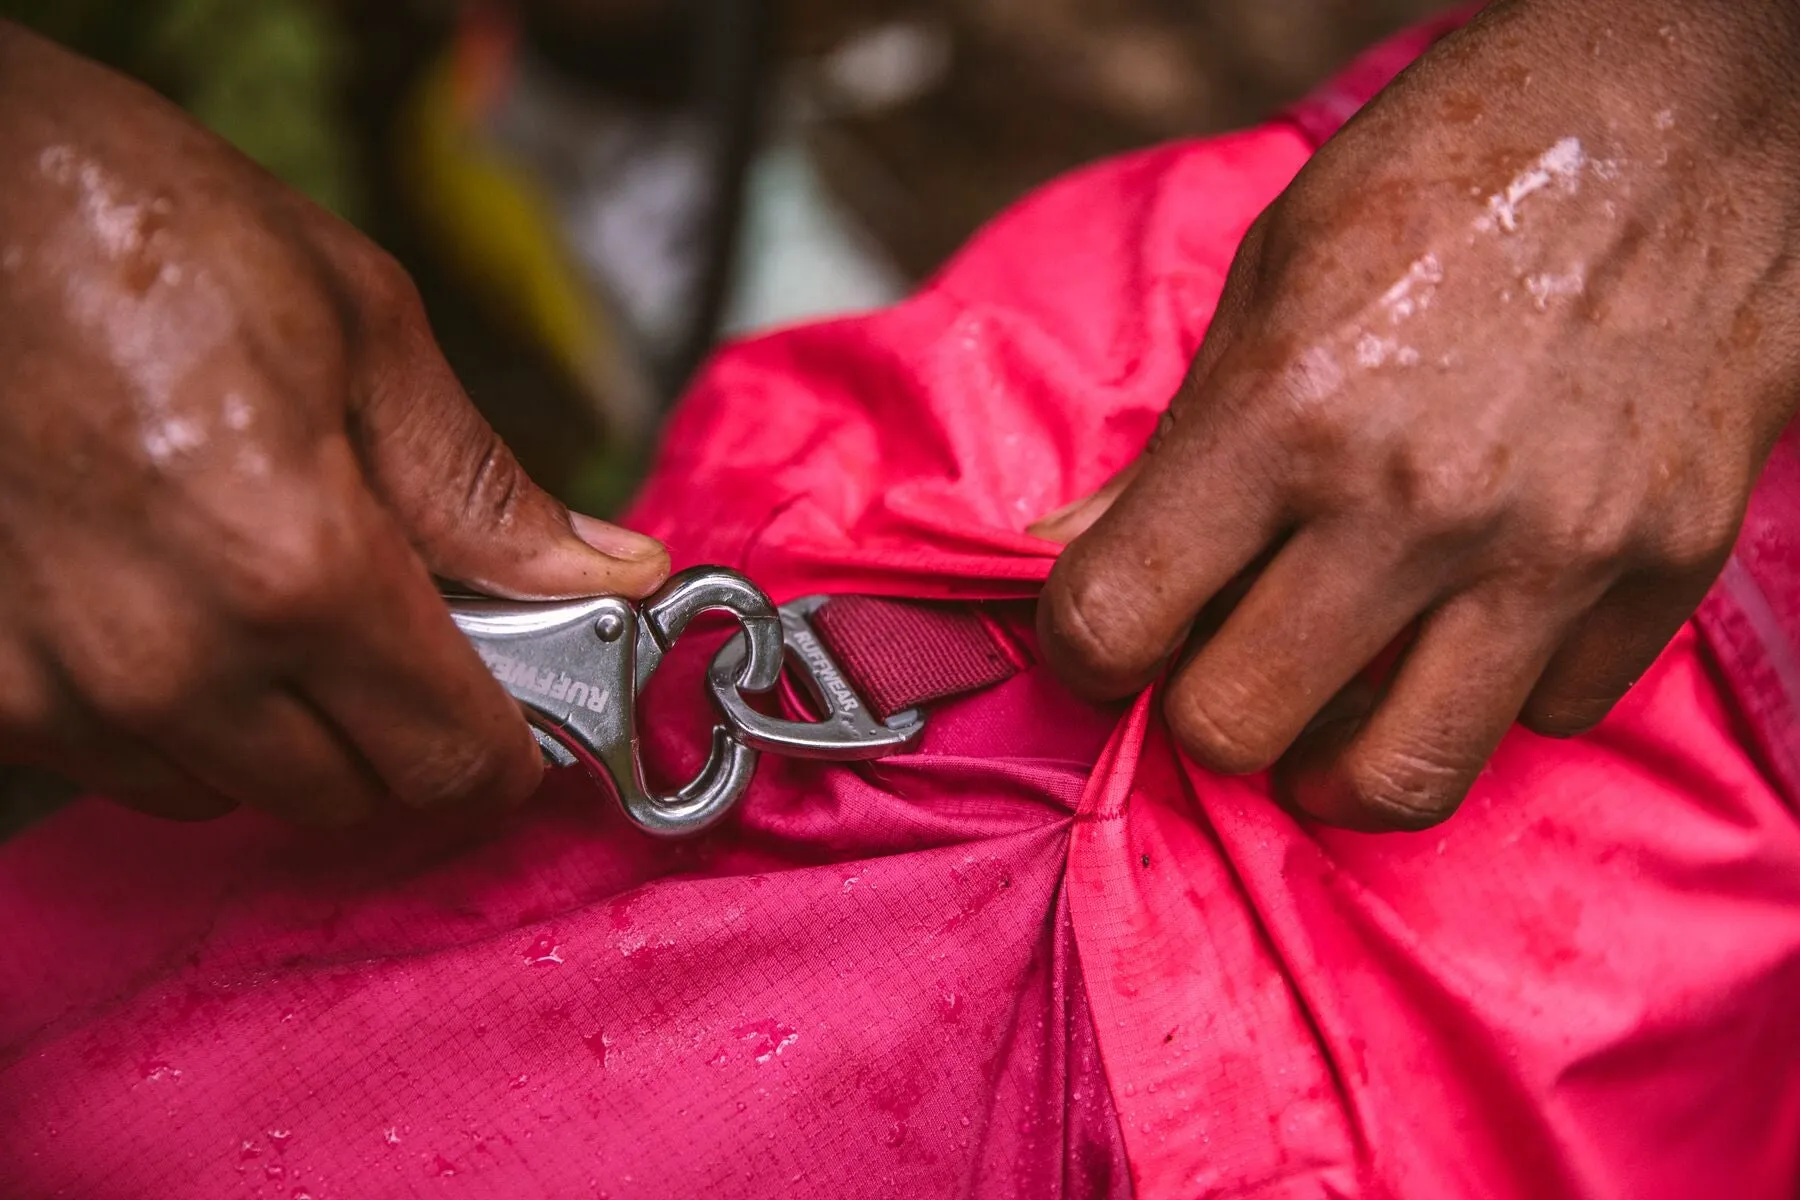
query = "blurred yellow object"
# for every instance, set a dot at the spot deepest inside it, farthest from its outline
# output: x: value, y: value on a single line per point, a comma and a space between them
x: 496, y: 229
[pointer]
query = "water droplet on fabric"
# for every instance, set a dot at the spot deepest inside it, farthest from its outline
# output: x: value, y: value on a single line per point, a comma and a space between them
x: 543, y: 949
x: 600, y: 1045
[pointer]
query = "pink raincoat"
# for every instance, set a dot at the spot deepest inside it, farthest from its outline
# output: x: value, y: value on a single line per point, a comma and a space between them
x: 1042, y: 955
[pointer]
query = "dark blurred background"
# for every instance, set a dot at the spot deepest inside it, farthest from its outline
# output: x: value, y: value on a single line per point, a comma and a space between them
x: 593, y: 193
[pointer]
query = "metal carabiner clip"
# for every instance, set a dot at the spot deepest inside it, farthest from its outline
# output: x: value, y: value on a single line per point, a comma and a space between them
x: 848, y: 731
x: 578, y: 667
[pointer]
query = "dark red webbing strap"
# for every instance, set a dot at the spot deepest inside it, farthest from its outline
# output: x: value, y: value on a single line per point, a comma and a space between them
x: 898, y: 654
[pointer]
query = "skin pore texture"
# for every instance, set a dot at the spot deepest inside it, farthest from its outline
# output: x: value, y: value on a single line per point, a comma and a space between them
x: 1490, y: 384
x: 231, y: 459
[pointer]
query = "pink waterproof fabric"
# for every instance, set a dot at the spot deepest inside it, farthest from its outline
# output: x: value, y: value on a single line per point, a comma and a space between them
x: 1041, y: 956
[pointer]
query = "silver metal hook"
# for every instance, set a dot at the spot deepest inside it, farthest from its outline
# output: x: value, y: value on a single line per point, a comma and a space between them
x: 578, y: 668
x: 698, y: 804
x: 848, y: 732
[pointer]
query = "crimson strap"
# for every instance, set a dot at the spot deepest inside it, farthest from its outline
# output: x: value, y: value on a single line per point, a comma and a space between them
x: 899, y: 654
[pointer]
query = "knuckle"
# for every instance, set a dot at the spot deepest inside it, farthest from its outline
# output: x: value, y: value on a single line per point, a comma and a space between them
x: 1406, y: 790
x: 388, y: 289
x: 496, y: 490
x: 1094, y: 630
x: 1220, y: 734
x: 1701, y: 540
x: 1456, y: 492
x: 470, y: 772
x: 294, y: 576
x: 1319, y: 433
x: 146, y: 699
x: 1583, y: 536
x: 141, y: 670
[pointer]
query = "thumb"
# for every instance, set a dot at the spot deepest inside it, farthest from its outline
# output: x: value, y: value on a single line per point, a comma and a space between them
x: 1072, y: 520
x: 467, y: 505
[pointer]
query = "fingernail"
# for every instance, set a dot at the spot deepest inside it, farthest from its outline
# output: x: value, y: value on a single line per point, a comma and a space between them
x: 1347, y: 709
x: 613, y: 541
x: 1068, y: 522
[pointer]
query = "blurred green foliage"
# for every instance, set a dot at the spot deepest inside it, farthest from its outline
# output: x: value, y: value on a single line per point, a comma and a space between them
x: 266, y: 75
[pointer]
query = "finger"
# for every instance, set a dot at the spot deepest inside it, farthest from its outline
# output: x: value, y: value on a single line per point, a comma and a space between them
x: 1122, y: 595
x: 456, y: 489
x: 408, y: 691
x: 131, y: 773
x: 1320, y: 612
x: 153, y: 786
x: 1611, y: 648
x: 167, y: 698
x: 118, y: 766
x: 272, y: 751
x: 1410, y: 762
x: 1191, y: 514
x: 44, y: 726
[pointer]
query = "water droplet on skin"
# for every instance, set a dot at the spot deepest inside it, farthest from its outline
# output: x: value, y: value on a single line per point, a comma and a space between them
x: 1560, y: 166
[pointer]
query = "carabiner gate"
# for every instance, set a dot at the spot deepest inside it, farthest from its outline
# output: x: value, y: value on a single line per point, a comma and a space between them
x: 578, y: 667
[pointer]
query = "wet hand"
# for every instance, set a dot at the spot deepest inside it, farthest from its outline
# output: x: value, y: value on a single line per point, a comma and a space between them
x: 231, y: 458
x: 1492, y: 381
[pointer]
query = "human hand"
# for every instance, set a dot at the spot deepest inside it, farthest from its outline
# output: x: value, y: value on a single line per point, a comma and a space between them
x: 1495, y: 376
x: 231, y: 458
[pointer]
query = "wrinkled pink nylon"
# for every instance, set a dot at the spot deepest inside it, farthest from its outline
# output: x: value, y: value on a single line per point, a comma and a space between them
x: 1042, y: 956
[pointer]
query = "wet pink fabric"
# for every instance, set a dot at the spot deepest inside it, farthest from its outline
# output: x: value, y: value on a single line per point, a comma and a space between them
x: 1041, y: 956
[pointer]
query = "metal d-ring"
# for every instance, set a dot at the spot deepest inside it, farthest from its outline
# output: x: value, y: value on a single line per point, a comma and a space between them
x: 848, y: 732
